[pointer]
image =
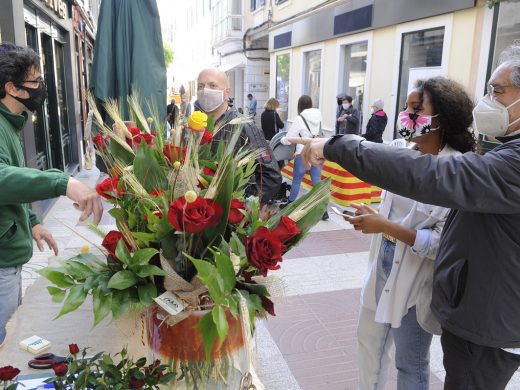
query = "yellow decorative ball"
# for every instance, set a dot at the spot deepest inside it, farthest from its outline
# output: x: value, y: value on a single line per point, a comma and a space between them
x: 85, y: 248
x: 177, y: 165
x: 190, y: 196
x: 149, y: 119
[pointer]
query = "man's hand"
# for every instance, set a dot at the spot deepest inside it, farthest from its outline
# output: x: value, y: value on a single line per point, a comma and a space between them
x: 312, y: 153
x: 367, y: 219
x: 85, y: 199
x: 41, y: 234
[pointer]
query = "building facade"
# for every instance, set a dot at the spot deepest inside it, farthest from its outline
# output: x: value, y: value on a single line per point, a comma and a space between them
x: 374, y: 49
x: 61, y: 33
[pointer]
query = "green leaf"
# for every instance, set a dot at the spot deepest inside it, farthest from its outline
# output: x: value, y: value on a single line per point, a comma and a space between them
x: 120, y: 153
x: 122, y: 280
x: 220, y: 320
x: 57, y: 277
x: 92, y: 261
x: 226, y: 270
x: 143, y: 256
x: 74, y: 300
x: 117, y: 213
x: 122, y: 252
x: 210, y: 276
x: 102, y: 304
x: 145, y: 238
x: 58, y: 295
x: 147, y: 292
x: 120, y: 303
x: 147, y: 169
x: 77, y: 270
x: 209, y: 333
x: 149, y: 270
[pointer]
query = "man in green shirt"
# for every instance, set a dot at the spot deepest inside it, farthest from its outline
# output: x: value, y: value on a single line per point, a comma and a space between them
x: 22, y: 89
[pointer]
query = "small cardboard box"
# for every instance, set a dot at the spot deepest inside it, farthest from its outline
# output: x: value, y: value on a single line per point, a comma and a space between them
x: 35, y: 344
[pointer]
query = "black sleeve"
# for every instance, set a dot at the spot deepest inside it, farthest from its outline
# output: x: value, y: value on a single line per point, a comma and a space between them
x: 354, y: 118
x: 279, y: 122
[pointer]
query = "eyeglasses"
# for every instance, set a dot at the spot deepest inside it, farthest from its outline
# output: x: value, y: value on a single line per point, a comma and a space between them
x: 493, y: 88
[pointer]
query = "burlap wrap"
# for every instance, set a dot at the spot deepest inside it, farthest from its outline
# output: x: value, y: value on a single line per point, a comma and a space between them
x: 188, y: 292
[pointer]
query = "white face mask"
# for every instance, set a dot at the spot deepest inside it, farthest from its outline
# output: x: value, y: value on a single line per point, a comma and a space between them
x: 492, y: 118
x: 210, y: 99
x: 346, y: 106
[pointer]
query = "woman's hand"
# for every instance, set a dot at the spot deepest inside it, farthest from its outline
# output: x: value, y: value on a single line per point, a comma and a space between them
x: 367, y: 220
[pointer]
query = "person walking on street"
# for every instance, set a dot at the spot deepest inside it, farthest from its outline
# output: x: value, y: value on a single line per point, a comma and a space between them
x: 475, y: 297
x: 251, y: 105
x: 348, y: 118
x: 306, y: 124
x: 270, y: 120
x: 377, y: 122
x: 339, y: 107
x: 212, y: 95
x: 22, y: 89
x: 395, y: 299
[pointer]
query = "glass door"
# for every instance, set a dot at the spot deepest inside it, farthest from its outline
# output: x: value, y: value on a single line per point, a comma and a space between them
x: 40, y: 118
x: 50, y: 76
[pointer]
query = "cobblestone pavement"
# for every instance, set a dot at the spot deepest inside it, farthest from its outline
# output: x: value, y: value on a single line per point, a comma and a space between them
x: 311, y: 343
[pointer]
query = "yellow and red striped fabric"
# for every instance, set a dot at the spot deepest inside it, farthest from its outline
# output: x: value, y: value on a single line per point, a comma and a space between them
x: 345, y: 188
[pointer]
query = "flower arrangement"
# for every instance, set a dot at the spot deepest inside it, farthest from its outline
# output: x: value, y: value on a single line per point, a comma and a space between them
x: 185, y: 230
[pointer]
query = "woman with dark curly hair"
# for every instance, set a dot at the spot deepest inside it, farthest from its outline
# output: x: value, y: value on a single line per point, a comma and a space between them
x: 395, y: 300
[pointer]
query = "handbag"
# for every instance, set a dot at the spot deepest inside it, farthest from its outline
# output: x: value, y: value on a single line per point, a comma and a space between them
x: 320, y: 131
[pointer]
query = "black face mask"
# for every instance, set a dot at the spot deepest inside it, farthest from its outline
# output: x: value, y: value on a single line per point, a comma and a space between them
x: 36, y: 97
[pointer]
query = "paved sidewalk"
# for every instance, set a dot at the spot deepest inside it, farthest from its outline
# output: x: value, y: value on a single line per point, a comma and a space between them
x: 311, y: 343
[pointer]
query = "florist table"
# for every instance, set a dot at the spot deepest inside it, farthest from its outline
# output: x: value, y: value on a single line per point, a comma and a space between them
x: 36, y: 317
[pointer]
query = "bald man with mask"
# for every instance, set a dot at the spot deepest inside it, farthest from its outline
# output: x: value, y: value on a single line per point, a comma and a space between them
x: 213, y: 92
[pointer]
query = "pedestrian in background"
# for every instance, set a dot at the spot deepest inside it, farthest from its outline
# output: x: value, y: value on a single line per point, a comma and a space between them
x: 270, y: 120
x: 348, y: 118
x: 476, y: 280
x: 213, y: 94
x: 251, y: 105
x: 172, y: 113
x: 339, y: 101
x: 306, y: 124
x: 396, y: 296
x: 377, y: 122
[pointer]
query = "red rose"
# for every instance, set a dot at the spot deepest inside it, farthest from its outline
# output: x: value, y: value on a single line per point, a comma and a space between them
x: 111, y: 240
x: 235, y: 216
x: 99, y: 141
x: 286, y: 230
x: 135, y: 132
x: 8, y: 373
x: 136, y: 383
x: 264, y: 250
x: 60, y: 369
x: 207, y: 137
x: 208, y: 171
x: 109, y: 187
x: 157, y: 192
x: 73, y: 349
x: 196, y: 216
x: 172, y: 153
x: 139, y: 138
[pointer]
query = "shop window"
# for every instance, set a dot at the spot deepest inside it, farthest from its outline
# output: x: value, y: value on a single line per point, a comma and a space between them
x: 353, y: 70
x: 283, y: 65
x: 312, y: 76
x: 280, y: 1
x: 421, y: 57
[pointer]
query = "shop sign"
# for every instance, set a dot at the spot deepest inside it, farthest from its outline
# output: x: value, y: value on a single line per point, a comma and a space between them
x: 58, y: 6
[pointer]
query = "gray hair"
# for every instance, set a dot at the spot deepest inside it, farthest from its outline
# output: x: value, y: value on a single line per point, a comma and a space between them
x: 510, y: 58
